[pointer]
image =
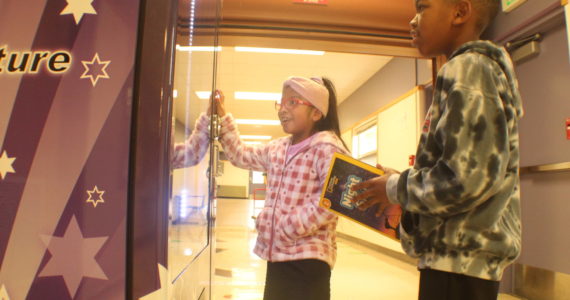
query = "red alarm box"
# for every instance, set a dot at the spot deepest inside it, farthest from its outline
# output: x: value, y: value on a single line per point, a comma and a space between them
x: 568, y: 129
x: 412, y: 160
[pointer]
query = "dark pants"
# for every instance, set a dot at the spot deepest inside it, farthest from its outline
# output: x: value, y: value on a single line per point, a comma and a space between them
x: 438, y: 285
x: 298, y: 280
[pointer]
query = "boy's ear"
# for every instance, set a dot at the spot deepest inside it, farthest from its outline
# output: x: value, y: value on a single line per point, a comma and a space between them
x: 463, y: 12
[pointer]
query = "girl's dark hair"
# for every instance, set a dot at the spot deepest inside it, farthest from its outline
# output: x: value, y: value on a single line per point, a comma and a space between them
x: 330, y: 122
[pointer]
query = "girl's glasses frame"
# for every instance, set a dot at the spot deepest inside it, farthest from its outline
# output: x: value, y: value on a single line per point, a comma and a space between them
x: 289, y: 103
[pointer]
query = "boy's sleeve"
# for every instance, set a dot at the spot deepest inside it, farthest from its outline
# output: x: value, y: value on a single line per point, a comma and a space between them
x: 392, y: 188
x: 241, y: 155
x: 192, y: 151
x: 306, y: 220
x: 470, y: 144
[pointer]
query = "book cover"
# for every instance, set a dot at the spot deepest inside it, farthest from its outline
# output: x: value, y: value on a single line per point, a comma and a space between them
x: 344, y: 172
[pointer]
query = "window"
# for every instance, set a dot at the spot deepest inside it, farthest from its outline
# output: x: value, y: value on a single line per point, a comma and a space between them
x: 365, y: 140
x: 257, y: 178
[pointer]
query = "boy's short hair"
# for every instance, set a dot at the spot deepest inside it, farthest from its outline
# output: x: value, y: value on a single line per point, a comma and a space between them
x: 486, y: 11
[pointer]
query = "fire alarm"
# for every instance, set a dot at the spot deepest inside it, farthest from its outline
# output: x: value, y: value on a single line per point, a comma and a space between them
x: 411, y: 160
x: 568, y: 129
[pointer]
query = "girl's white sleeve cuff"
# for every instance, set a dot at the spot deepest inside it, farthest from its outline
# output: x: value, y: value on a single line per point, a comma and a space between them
x: 392, y: 188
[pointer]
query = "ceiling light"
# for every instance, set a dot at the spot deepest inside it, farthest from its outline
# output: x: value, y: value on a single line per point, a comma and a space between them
x: 175, y: 93
x: 257, y: 96
x: 245, y: 95
x: 278, y: 51
x: 198, y: 48
x: 252, y: 143
x: 255, y: 137
x: 257, y: 122
x: 203, y: 94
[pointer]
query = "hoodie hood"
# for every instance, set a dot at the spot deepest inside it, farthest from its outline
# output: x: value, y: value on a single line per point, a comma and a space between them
x: 328, y: 137
x: 503, y: 60
x: 320, y: 138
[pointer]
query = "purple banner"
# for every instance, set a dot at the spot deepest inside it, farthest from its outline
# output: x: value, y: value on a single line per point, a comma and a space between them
x: 66, y: 81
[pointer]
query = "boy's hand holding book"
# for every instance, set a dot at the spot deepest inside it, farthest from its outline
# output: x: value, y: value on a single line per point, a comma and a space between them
x: 374, y: 191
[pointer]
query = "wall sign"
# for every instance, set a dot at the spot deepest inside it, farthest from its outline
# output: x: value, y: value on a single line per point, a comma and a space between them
x: 509, y: 5
x: 319, y: 2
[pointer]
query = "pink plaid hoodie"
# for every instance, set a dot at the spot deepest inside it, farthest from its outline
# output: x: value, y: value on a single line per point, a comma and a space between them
x: 291, y: 226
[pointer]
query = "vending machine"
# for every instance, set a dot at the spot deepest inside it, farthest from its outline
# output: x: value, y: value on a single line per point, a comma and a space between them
x: 91, y: 206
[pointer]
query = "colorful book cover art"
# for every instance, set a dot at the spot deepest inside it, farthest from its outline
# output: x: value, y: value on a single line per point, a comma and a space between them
x: 345, y: 172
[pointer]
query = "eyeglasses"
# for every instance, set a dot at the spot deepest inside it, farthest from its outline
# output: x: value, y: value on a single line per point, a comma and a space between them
x: 289, y: 103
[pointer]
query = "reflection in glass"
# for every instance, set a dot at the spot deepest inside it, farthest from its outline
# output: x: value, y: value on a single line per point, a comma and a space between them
x: 188, y: 231
x: 189, y: 228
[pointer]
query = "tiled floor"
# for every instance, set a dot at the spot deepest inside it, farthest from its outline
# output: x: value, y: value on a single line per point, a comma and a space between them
x: 360, y: 273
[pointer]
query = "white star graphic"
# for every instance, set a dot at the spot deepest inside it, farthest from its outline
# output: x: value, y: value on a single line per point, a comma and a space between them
x: 6, y: 165
x: 99, y: 197
x: 4, y: 293
x: 73, y: 257
x: 78, y: 8
x: 95, y: 66
x: 165, y: 285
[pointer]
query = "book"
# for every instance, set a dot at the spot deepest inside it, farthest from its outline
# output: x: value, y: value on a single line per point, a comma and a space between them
x: 345, y: 172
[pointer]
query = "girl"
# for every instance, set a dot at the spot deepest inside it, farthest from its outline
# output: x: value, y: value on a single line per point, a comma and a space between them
x: 295, y: 235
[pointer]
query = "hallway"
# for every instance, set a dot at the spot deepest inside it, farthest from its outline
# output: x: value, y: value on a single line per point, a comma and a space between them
x: 359, y: 274
x: 240, y: 274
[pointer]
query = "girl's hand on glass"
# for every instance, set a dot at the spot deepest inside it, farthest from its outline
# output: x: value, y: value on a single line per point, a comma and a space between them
x: 219, y: 104
x: 219, y: 100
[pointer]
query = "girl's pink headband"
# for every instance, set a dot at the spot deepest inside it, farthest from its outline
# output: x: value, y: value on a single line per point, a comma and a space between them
x: 312, y: 90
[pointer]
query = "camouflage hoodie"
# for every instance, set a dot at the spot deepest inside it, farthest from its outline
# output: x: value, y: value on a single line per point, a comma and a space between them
x: 461, y: 199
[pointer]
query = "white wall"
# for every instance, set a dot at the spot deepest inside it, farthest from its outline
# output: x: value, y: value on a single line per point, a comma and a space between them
x: 398, y: 133
x: 398, y: 77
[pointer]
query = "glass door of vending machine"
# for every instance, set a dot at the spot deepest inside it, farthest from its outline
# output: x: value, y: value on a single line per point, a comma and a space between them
x: 190, y: 231
x: 170, y: 244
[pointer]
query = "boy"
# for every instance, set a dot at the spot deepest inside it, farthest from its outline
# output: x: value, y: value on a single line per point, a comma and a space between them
x: 460, y: 201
